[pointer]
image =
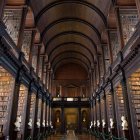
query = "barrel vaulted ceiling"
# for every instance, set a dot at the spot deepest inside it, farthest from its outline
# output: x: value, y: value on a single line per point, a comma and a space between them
x: 73, y: 30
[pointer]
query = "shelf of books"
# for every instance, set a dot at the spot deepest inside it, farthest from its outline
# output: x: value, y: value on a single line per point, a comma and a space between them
x: 21, y: 110
x: 129, y: 20
x: 7, y: 83
x: 38, y: 123
x: 119, y: 106
x: 94, y: 114
x: 109, y: 108
x: 12, y: 20
x: 98, y: 112
x: 27, y: 37
x: 32, y: 110
x: 103, y: 111
x: 134, y: 90
x: 44, y: 114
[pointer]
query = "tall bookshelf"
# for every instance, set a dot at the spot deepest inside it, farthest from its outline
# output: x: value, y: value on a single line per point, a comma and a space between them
x: 119, y: 105
x: 6, y: 92
x: 103, y: 109
x: 134, y: 90
x: 114, y: 44
x: 22, y: 101
x: 34, y: 57
x: 39, y: 111
x: 32, y: 107
x: 109, y: 108
x: 12, y: 20
x: 129, y: 20
x: 27, y: 37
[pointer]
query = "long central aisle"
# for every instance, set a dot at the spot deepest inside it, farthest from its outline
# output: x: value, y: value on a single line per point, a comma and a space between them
x: 71, y: 136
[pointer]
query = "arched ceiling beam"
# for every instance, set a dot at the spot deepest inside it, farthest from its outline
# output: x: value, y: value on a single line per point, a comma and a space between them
x: 70, y: 52
x: 68, y: 20
x: 72, y: 32
x: 70, y: 43
x: 59, y: 2
x: 70, y: 59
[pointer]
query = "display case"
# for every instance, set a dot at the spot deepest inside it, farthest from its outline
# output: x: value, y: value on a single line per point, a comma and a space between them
x: 129, y: 20
x: 12, y: 21
x: 134, y: 91
x: 7, y: 82
x: 114, y: 44
x: 26, y: 45
x: 21, y: 110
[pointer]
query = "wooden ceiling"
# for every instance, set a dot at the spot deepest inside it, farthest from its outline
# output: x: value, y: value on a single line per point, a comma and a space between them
x: 72, y: 30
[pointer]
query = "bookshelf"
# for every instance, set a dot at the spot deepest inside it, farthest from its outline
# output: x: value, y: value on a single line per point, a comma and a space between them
x: 134, y: 90
x: 102, y: 109
x: 119, y: 105
x: 129, y: 20
x: 12, y: 20
x: 114, y: 44
x: 109, y: 107
x: 22, y: 101
x: 32, y: 108
x: 39, y: 112
x: 27, y: 37
x: 6, y: 93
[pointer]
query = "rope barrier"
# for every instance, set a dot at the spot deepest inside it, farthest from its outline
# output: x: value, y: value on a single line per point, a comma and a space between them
x: 29, y: 138
x: 37, y: 137
x: 105, y: 136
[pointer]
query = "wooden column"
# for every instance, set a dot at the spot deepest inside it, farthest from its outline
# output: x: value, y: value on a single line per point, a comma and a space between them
x: 22, y: 26
x: 2, y: 5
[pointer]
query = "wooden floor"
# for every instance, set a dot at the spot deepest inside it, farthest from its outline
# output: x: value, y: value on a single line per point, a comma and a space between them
x: 71, y: 136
